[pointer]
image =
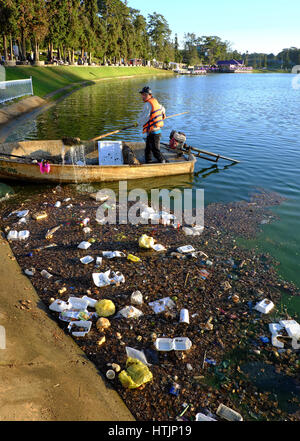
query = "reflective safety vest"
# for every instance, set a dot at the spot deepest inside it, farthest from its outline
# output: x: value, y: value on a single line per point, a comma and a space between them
x: 156, y: 117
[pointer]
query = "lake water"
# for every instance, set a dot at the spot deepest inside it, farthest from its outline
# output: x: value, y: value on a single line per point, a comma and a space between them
x: 251, y: 117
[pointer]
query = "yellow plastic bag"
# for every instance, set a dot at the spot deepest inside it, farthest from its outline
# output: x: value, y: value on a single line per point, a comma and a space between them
x: 105, y: 308
x: 136, y: 374
x: 146, y: 241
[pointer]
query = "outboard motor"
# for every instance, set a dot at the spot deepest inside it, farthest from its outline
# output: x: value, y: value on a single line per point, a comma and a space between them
x: 177, y: 140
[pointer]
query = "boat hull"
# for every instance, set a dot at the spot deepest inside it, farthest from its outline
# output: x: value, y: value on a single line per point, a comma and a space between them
x: 18, y: 170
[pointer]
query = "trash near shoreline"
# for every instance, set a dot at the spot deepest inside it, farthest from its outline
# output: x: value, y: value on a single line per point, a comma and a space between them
x: 169, y: 313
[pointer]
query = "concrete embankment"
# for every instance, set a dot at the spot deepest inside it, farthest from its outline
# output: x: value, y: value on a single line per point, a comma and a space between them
x: 12, y: 111
x: 44, y: 374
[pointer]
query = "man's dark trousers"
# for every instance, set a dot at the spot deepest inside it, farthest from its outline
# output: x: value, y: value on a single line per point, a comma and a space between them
x: 153, y: 145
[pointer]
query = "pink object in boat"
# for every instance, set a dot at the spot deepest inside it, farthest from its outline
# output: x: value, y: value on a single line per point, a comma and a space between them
x: 44, y: 167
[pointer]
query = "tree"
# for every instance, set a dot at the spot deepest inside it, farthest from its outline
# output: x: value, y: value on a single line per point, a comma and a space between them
x: 8, y: 24
x: 159, y: 33
x: 141, y: 46
x: 214, y: 49
x: 90, y: 24
x: 39, y: 25
x: 111, y: 14
x: 177, y: 54
x: 73, y: 27
x: 57, y: 19
x: 191, y: 50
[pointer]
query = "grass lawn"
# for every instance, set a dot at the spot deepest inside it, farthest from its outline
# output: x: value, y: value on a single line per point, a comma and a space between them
x: 49, y: 79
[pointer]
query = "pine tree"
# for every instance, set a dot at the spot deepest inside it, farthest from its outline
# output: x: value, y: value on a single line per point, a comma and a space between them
x: 57, y: 19
x: 8, y: 24
x: 159, y: 33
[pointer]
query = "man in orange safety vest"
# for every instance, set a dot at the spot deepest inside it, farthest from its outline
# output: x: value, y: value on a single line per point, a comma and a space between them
x: 151, y: 118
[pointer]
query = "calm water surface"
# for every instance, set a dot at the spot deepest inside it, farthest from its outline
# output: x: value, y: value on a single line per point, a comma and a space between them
x: 251, y: 117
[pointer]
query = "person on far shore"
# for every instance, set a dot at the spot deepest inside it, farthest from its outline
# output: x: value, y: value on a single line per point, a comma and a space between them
x: 151, y: 118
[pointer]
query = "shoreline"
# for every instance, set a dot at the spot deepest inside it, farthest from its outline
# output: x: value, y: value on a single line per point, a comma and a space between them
x: 157, y: 276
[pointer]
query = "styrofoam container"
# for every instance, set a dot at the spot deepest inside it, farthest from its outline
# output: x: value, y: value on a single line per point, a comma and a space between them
x: 59, y: 306
x: 101, y: 279
x: 292, y: 327
x: 23, y: 235
x: 112, y: 254
x: 164, y: 344
x: 175, y: 344
x: 295, y: 344
x: 12, y: 235
x: 201, y: 417
x: 275, y: 328
x: 57, y: 204
x: 86, y: 259
x: 110, y: 153
x: 186, y: 249
x: 158, y: 247
x: 83, y: 324
x: 91, y: 302
x: 276, y: 342
x: 182, y: 343
x: 264, y: 306
x: 84, y: 245
x: 78, y: 303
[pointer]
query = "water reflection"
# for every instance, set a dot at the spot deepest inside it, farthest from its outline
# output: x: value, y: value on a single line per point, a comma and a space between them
x: 245, y: 117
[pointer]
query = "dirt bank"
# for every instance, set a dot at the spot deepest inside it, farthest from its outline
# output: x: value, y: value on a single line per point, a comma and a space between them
x: 44, y: 374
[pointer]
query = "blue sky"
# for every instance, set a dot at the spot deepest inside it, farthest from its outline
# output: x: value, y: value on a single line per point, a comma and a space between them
x: 254, y: 25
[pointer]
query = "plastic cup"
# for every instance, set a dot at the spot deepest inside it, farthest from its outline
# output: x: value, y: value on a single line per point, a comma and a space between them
x: 110, y: 374
x: 184, y: 316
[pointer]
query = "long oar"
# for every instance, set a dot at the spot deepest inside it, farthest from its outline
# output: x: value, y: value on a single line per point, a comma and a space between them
x: 199, y: 154
x: 16, y: 156
x: 129, y: 127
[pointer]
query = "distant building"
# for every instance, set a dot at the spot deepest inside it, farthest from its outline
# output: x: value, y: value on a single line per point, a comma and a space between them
x: 230, y: 65
x: 233, y: 66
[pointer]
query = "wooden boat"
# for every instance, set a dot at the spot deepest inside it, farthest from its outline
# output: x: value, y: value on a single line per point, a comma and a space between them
x: 18, y: 162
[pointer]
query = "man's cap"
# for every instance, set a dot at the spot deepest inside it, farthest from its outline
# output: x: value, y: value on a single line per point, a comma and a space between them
x: 146, y: 89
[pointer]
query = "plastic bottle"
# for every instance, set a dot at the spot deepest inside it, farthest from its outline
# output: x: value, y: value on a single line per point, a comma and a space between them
x: 2, y: 338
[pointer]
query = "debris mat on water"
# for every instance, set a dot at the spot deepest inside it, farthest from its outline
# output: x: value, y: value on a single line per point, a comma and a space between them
x: 218, y: 287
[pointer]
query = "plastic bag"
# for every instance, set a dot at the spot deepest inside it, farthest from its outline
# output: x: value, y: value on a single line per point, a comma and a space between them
x: 146, y: 241
x: 136, y: 374
x: 105, y: 308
